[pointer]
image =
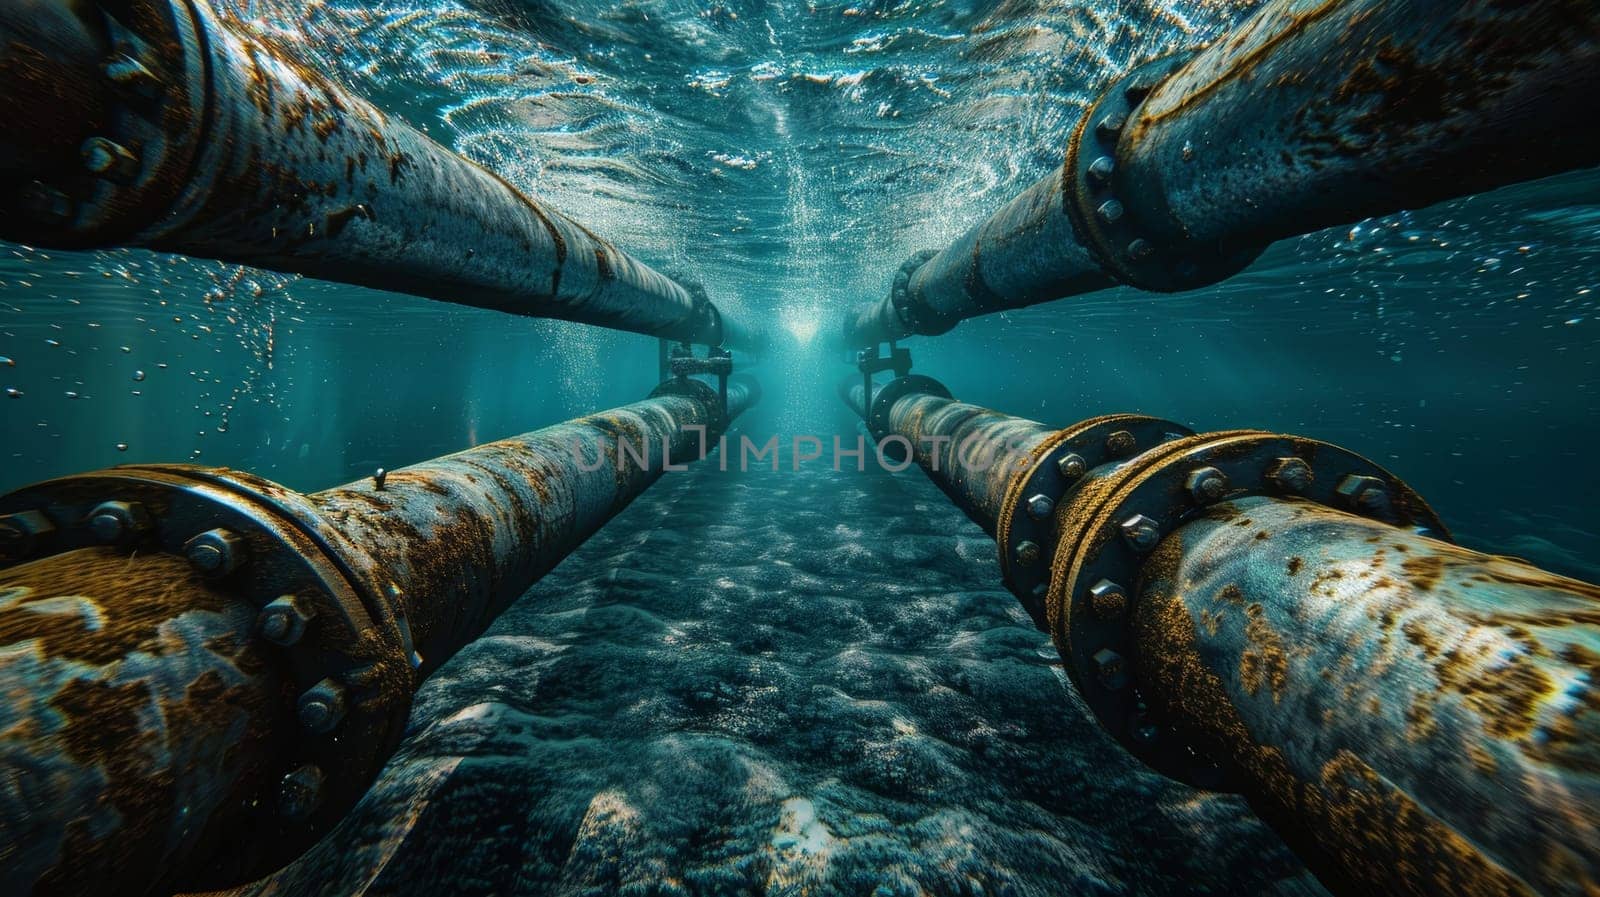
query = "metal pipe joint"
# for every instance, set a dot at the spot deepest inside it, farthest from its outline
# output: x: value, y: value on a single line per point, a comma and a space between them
x: 204, y: 670
x: 1280, y: 617
x: 168, y: 125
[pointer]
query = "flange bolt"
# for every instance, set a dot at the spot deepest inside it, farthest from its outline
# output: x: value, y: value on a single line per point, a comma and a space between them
x: 1207, y: 485
x: 283, y: 621
x: 1368, y: 495
x: 1072, y: 466
x: 20, y: 533
x: 110, y: 160
x: 1040, y: 506
x: 1141, y: 533
x: 1108, y: 600
x: 216, y: 552
x: 1291, y: 475
x: 128, y: 72
x: 115, y: 522
x: 322, y: 707
x: 1120, y: 444
x: 1109, y: 669
x: 1028, y: 553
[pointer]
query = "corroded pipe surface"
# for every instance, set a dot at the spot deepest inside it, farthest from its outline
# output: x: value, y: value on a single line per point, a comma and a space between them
x: 971, y: 452
x: 455, y: 540
x: 139, y: 706
x: 204, y: 670
x: 1023, y: 254
x: 1280, y: 617
x: 1354, y: 108
x: 156, y: 123
x: 1412, y: 716
x: 1312, y: 113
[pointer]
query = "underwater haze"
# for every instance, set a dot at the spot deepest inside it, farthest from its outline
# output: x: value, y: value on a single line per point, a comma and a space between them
x: 805, y: 681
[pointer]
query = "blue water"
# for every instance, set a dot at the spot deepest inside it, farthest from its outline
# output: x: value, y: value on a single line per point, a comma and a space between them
x: 744, y: 673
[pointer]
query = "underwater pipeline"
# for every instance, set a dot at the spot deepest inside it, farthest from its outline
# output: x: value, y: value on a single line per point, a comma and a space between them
x: 203, y: 671
x: 159, y: 124
x: 1313, y: 113
x: 1275, y: 616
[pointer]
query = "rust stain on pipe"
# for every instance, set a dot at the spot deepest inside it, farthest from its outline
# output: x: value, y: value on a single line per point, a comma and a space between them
x: 120, y: 676
x: 1413, y: 716
x: 162, y: 729
x: 244, y: 153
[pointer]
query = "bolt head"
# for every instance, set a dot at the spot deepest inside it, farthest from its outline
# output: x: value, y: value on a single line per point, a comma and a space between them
x: 1368, y: 495
x: 109, y: 159
x: 1120, y: 444
x: 300, y: 792
x: 1108, y: 600
x: 322, y: 707
x: 1101, y: 169
x: 20, y: 533
x: 1072, y: 466
x: 1207, y: 485
x: 114, y: 522
x: 1110, y: 211
x: 1028, y: 553
x: 216, y: 552
x: 1040, y: 506
x: 283, y: 621
x: 1141, y: 533
x: 1111, y: 125
x: 1292, y: 475
x: 1109, y: 669
x: 128, y: 72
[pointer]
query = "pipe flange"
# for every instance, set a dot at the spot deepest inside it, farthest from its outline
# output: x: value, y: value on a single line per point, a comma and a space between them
x: 1097, y: 197
x: 138, y: 73
x: 311, y: 617
x: 914, y: 316
x: 887, y: 395
x: 1114, y: 522
x: 1066, y: 459
x: 698, y: 390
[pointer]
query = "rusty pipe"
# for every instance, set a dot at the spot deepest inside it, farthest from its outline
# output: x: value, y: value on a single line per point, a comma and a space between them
x: 969, y: 451
x: 1312, y: 113
x: 204, y: 670
x: 1276, y: 616
x: 167, y: 125
x: 1414, y: 717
